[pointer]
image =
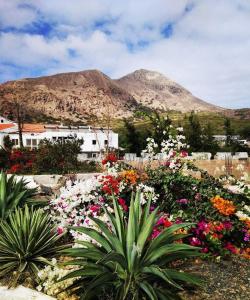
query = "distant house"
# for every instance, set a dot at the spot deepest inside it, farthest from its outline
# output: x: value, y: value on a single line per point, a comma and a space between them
x: 95, y: 139
x: 223, y: 138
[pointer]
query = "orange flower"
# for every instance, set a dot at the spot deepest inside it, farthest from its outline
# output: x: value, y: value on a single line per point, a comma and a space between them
x: 130, y: 176
x: 225, y: 207
x: 246, y: 253
x: 247, y: 222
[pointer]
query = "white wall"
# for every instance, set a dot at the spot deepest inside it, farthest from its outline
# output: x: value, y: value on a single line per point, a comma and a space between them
x: 88, y: 137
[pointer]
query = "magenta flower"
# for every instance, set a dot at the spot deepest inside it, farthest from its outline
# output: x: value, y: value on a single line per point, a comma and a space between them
x: 194, y: 241
x: 60, y: 230
x: 182, y: 201
x: 197, y: 196
x: 227, y: 225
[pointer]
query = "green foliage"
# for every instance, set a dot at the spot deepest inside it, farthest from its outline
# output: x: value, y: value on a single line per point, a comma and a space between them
x: 125, y: 261
x: 27, y: 239
x: 8, y: 144
x: 174, y: 186
x: 245, y: 131
x: 4, y: 156
x: 59, y: 156
x: 193, y: 132
x: 13, y: 194
x: 132, y: 139
x: 228, y: 131
x: 209, y: 144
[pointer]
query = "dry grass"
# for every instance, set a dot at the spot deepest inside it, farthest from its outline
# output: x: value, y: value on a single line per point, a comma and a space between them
x: 215, y: 168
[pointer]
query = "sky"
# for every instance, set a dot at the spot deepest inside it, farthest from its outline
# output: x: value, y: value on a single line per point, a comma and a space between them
x: 204, y: 45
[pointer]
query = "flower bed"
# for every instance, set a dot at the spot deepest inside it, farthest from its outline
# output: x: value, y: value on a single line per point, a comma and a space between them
x: 116, y: 219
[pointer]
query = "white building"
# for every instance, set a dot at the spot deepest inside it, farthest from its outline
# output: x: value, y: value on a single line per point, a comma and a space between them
x: 95, y: 140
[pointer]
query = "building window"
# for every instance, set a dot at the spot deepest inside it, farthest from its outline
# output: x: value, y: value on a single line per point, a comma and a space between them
x: 15, y: 141
x: 89, y: 155
x: 105, y: 142
x: 93, y: 155
x: 28, y: 142
x: 93, y: 142
x: 34, y: 143
x: 2, y: 121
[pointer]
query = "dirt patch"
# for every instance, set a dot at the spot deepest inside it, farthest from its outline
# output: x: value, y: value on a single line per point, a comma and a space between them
x: 226, y: 280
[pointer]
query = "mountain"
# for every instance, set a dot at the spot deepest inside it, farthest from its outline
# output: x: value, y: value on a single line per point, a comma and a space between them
x: 80, y: 96
x: 154, y: 90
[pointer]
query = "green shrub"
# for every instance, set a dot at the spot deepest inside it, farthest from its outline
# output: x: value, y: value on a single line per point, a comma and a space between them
x: 126, y: 261
x: 13, y: 194
x: 4, y: 156
x: 27, y: 239
x: 58, y: 157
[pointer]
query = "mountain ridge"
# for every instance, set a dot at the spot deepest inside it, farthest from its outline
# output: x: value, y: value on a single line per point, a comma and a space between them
x: 80, y: 96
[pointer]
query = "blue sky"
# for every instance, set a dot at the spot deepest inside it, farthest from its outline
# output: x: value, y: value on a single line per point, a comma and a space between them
x: 202, y: 44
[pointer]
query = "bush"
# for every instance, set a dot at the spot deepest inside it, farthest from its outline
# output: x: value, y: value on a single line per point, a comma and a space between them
x: 27, y: 239
x: 222, y: 217
x: 13, y: 194
x: 124, y: 259
x: 57, y: 157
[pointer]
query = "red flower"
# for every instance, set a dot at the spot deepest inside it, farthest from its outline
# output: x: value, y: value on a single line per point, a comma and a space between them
x: 111, y: 158
x: 16, y: 155
x: 94, y: 208
x: 167, y: 223
x: 230, y: 247
x: 15, y: 168
x: 110, y: 185
x: 123, y: 204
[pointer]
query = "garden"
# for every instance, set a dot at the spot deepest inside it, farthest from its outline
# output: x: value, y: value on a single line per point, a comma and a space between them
x: 126, y: 233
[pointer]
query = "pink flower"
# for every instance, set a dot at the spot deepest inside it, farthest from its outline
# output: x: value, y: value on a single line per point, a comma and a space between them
x: 160, y: 221
x: 95, y: 208
x: 205, y: 250
x: 183, y: 153
x: 194, y: 241
x: 197, y: 196
x: 227, y: 225
x: 182, y: 201
x: 60, y: 230
x: 152, y: 208
x: 155, y: 233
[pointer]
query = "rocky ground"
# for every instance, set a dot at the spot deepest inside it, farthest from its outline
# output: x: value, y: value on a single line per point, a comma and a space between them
x: 224, y: 280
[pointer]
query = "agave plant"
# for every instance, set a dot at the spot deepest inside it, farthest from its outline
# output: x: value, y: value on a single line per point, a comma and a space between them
x: 13, y: 194
x: 125, y: 260
x: 27, y: 239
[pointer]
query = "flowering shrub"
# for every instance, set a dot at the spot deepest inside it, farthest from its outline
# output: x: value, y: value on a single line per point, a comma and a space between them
x: 50, y: 283
x: 110, y: 160
x: 20, y: 161
x: 225, y: 207
x: 171, y: 150
x: 80, y: 200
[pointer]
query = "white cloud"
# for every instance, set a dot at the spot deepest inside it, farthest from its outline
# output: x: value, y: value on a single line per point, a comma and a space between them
x: 15, y: 14
x: 208, y: 52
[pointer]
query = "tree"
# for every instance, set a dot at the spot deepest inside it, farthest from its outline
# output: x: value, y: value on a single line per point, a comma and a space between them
x: 228, y: 131
x: 194, y: 133
x: 209, y: 143
x: 245, y: 132
x: 133, y: 139
x: 7, y: 143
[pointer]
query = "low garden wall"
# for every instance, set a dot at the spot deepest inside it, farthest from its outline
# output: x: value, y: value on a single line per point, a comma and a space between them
x: 22, y: 293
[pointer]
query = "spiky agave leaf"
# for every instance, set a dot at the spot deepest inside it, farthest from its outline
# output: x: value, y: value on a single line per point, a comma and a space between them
x: 126, y: 260
x: 27, y: 240
x: 13, y: 194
